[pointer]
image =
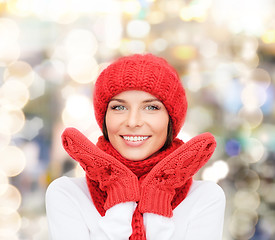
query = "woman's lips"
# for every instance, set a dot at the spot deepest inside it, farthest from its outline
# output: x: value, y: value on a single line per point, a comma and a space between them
x: 134, y: 140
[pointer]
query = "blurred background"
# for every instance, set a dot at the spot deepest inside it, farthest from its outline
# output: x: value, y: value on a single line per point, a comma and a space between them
x: 51, y: 52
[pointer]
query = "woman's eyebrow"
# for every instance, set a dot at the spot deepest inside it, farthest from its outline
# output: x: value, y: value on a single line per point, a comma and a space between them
x: 145, y: 101
x: 151, y: 100
x: 117, y: 99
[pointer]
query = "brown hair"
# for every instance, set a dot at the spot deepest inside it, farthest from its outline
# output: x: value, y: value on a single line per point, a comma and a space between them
x: 167, y: 143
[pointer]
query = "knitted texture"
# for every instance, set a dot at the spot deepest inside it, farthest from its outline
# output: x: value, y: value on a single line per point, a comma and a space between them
x: 145, y: 73
x: 158, y: 187
x: 141, y: 169
x: 158, y: 184
x: 120, y: 183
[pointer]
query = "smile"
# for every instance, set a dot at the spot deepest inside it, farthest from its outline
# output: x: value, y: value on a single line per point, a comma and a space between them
x: 135, y: 138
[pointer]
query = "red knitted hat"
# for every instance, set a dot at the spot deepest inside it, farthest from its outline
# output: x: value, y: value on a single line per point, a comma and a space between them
x: 145, y: 73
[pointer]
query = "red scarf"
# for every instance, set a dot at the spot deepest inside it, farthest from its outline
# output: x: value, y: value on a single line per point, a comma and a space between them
x: 141, y: 169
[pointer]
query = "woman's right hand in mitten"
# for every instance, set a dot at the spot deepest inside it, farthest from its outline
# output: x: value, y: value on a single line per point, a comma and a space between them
x: 158, y: 187
x: 120, y: 183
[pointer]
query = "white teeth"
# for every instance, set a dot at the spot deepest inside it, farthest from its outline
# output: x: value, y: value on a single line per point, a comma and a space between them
x: 135, y: 138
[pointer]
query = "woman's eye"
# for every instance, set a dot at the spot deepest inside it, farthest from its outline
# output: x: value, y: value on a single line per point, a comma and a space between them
x: 118, y: 107
x: 152, y: 107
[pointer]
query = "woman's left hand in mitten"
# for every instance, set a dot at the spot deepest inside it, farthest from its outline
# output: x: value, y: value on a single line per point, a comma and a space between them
x: 158, y: 187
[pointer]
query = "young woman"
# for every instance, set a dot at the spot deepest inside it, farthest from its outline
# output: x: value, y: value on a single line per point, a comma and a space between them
x: 138, y: 181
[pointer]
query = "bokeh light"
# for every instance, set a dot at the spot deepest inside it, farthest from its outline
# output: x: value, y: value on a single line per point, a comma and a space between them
x: 247, y: 179
x: 130, y: 7
x: 216, y: 172
x: 243, y: 223
x: 10, y: 198
x: 233, y: 147
x: 10, y: 222
x: 253, y: 96
x: 12, y: 121
x: 20, y: 7
x: 79, y: 42
x: 255, y: 150
x: 269, y: 36
x: 9, y: 48
x: 254, y: 116
x: 5, y: 138
x: 12, y: 161
x: 20, y: 71
x: 247, y: 200
x: 138, y: 29
x: 78, y: 112
x: 14, y: 95
x: 4, y: 182
x: 83, y: 68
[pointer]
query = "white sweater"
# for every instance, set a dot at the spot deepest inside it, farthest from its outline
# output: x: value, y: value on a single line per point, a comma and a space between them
x: 72, y: 215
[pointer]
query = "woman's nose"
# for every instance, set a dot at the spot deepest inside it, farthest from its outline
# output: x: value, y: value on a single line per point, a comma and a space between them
x: 134, y: 119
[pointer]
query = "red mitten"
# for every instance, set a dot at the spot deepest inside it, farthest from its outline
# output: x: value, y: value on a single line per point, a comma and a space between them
x: 120, y: 183
x: 158, y: 188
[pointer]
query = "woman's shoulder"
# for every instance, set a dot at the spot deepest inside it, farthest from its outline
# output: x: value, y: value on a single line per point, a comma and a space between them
x: 68, y: 186
x: 207, y: 188
x: 68, y: 201
x: 66, y: 182
x: 202, y: 195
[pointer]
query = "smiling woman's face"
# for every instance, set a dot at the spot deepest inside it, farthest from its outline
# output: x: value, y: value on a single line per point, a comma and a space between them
x: 136, y: 124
